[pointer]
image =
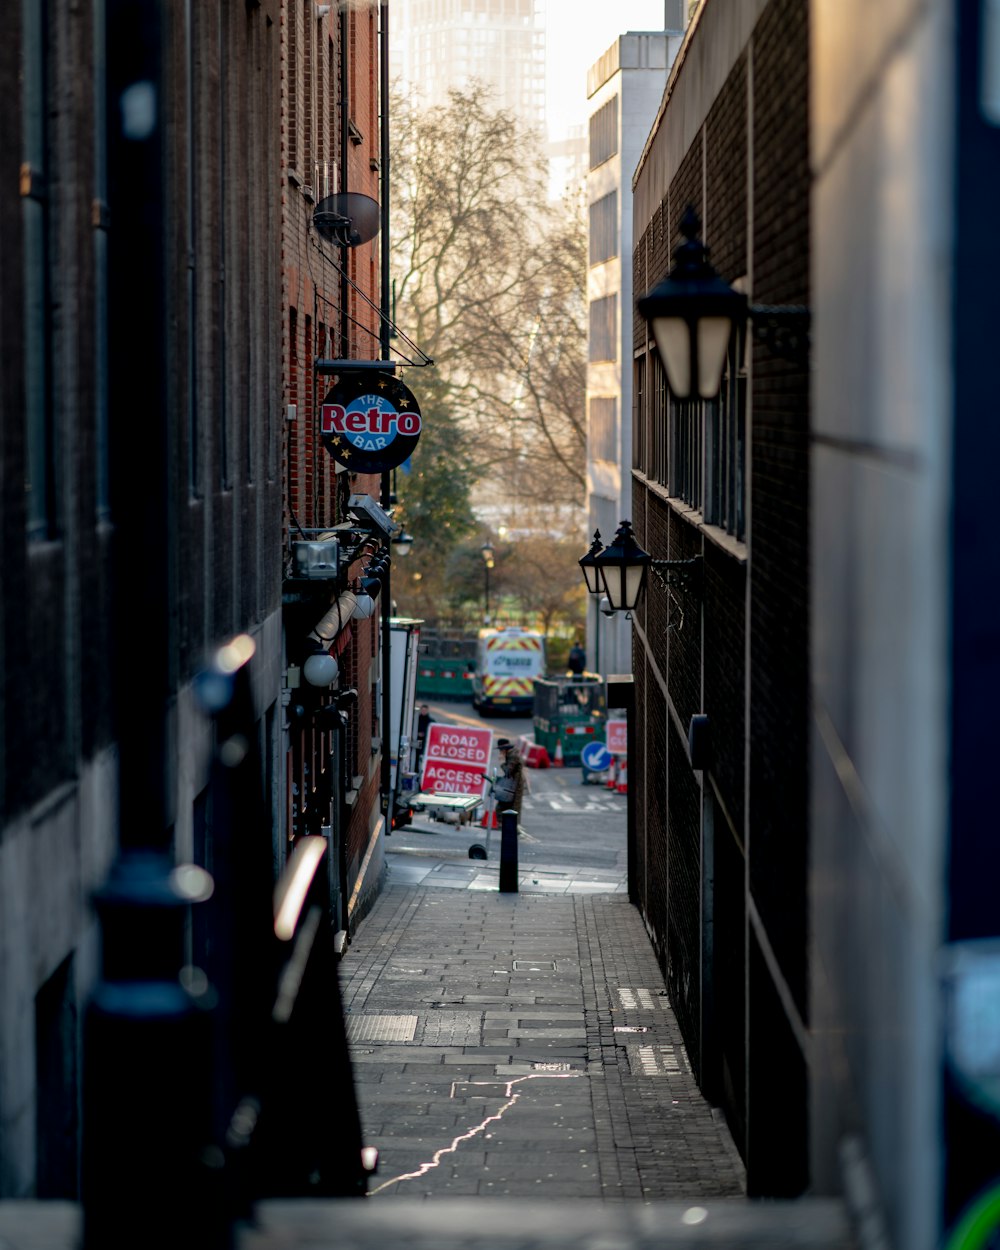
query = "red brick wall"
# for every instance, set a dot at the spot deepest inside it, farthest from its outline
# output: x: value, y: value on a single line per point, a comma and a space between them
x: 314, y: 319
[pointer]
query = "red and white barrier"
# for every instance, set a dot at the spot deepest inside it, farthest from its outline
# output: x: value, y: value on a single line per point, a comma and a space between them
x: 535, y: 756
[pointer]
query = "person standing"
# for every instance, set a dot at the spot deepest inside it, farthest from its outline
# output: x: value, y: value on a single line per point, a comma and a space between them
x: 577, y: 661
x: 513, y: 768
x: 423, y: 725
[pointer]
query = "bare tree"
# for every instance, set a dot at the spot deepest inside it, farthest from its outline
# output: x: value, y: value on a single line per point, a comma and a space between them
x: 490, y: 281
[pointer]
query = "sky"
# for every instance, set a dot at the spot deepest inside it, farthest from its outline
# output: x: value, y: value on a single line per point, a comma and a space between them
x: 577, y: 32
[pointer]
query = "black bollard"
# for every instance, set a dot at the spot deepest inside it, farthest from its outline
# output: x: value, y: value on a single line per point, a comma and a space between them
x: 508, y: 852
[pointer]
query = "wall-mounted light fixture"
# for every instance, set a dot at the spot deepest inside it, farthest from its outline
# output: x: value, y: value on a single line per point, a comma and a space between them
x: 320, y: 668
x: 693, y: 313
x: 621, y: 569
x: 591, y: 573
x: 401, y: 544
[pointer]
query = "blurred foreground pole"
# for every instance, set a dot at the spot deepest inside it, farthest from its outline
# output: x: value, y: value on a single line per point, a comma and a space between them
x: 145, y: 1161
x: 508, y: 851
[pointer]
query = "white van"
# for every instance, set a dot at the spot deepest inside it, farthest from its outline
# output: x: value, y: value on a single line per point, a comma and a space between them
x: 507, y: 663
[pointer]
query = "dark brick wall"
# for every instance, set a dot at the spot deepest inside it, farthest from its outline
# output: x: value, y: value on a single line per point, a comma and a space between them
x: 752, y: 794
x: 726, y: 175
x: 779, y: 605
x: 684, y: 637
x: 725, y: 1081
x: 684, y: 911
x: 639, y: 781
x: 654, y: 800
x: 57, y: 595
x: 725, y: 675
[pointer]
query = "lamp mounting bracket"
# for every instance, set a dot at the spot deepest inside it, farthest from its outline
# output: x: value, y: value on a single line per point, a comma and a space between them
x: 685, y: 574
x: 783, y: 329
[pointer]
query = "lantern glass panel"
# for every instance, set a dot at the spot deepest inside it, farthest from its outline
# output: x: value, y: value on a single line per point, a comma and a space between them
x: 713, y: 343
x: 673, y: 338
x: 634, y: 575
x: 592, y: 576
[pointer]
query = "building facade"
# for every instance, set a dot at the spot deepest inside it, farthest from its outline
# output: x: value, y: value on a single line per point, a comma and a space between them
x: 124, y: 382
x: 331, y: 145
x: 721, y: 848
x: 624, y: 89
x: 497, y: 42
x: 814, y: 871
x: 165, y: 299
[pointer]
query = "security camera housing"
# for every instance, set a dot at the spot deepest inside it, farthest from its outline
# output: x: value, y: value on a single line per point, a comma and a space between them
x: 364, y: 509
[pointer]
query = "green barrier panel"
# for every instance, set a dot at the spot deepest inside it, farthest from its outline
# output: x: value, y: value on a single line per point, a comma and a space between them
x: 443, y: 678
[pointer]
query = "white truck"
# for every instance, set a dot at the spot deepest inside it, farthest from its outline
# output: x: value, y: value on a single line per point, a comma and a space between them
x: 507, y: 663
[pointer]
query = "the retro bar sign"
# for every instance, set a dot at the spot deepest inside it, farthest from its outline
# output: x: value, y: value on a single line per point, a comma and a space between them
x: 370, y: 422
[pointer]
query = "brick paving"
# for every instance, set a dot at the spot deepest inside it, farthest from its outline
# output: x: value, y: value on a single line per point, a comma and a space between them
x: 519, y: 1068
x: 545, y: 1058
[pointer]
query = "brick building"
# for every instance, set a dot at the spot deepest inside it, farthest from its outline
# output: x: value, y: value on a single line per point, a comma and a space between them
x: 721, y: 849
x: 164, y: 298
x: 817, y: 874
x: 140, y: 401
x: 331, y: 144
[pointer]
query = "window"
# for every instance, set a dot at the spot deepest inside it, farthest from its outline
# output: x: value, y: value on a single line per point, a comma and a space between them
x: 100, y: 223
x: 36, y: 210
x: 639, y: 414
x: 725, y: 447
x: 604, y: 133
x: 602, y: 430
x: 604, y: 228
x: 603, y: 328
x: 696, y: 449
x: 293, y: 87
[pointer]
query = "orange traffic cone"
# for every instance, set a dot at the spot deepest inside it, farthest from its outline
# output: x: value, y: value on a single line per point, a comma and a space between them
x: 557, y: 759
x: 611, y: 772
x: 622, y: 786
x: 489, y: 820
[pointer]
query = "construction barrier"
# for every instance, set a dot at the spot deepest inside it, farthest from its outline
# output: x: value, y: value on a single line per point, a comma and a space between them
x: 536, y: 756
x: 622, y: 784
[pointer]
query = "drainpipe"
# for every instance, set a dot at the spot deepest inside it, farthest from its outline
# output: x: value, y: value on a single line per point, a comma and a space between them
x: 386, y: 777
x: 345, y: 143
x: 146, y: 1050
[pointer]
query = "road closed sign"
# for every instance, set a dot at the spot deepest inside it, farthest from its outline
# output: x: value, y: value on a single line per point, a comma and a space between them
x: 616, y: 732
x: 455, y: 760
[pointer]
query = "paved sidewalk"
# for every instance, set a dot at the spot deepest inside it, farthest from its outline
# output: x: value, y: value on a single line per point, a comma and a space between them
x: 523, y: 1044
x: 520, y: 1069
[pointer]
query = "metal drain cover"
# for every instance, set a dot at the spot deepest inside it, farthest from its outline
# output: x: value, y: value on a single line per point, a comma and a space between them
x: 534, y: 965
x: 368, y: 1028
x: 657, y: 1061
x: 636, y: 998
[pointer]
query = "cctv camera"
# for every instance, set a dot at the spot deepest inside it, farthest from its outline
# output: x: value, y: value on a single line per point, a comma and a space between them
x: 606, y: 607
x: 364, y: 510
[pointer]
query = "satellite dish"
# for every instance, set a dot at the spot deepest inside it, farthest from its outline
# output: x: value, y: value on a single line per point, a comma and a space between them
x: 348, y: 218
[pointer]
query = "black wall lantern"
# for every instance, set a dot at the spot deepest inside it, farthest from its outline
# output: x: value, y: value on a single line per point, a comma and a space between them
x: 591, y: 573
x: 693, y: 313
x: 622, y: 567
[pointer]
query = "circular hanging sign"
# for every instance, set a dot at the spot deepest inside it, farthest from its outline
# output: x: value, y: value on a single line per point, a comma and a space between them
x: 370, y: 421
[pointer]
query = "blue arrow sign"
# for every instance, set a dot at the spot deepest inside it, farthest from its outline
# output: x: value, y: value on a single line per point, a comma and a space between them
x: 596, y: 757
